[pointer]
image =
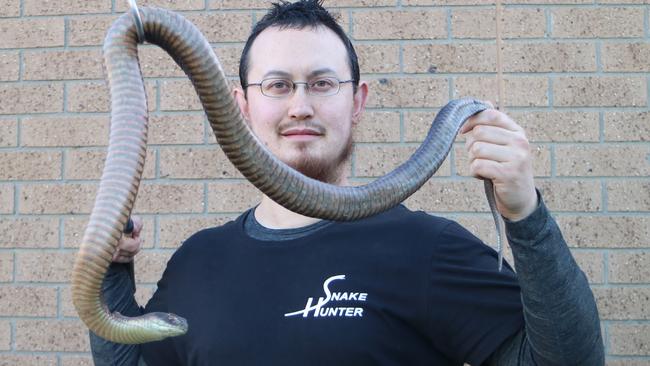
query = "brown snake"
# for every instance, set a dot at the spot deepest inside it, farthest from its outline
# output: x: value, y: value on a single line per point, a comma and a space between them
x: 126, y: 153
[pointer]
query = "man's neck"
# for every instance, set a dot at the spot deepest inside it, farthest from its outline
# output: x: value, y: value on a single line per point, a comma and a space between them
x: 272, y: 215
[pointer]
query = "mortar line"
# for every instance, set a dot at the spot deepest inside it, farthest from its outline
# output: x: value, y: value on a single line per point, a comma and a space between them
x: 550, y: 94
x: 604, y: 196
x: 599, y: 57
x: 549, y: 22
x: 66, y: 27
x: 21, y: 67
x: 606, y: 268
x: 22, y: 8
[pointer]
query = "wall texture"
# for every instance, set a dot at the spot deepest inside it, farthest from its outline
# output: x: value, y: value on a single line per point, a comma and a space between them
x: 576, y: 77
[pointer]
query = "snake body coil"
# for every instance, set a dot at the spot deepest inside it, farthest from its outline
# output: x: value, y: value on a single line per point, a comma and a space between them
x: 127, y: 147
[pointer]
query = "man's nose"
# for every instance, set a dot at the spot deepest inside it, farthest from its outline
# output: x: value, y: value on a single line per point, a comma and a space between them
x: 300, y: 104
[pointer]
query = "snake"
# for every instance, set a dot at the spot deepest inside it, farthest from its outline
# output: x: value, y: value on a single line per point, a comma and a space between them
x: 126, y: 152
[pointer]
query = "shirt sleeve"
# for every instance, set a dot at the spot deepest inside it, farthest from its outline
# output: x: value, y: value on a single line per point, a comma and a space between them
x: 562, y: 323
x: 473, y: 307
x: 118, y: 290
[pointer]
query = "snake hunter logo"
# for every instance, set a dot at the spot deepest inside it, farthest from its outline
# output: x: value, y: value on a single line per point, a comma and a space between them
x: 326, y: 306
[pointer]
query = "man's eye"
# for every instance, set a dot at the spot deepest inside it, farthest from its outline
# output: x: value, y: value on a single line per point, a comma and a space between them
x: 322, y: 84
x: 281, y: 84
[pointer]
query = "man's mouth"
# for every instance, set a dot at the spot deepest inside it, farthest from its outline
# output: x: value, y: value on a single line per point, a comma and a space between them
x: 303, y: 134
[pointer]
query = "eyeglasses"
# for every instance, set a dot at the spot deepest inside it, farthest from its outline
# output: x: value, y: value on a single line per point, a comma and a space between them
x: 281, y: 88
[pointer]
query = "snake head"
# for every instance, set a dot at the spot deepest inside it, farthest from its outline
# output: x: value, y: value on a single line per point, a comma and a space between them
x: 166, y: 324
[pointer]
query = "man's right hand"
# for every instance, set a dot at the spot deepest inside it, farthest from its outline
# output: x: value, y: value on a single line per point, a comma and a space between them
x: 129, y: 245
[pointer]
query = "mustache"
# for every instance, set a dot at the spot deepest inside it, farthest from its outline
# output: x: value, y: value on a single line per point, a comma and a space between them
x: 309, y: 124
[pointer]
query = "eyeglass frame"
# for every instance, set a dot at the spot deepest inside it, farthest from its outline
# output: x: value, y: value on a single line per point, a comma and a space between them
x: 295, y: 86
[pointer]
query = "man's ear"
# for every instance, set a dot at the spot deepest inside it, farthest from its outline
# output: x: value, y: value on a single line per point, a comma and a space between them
x: 242, y: 102
x: 360, y: 98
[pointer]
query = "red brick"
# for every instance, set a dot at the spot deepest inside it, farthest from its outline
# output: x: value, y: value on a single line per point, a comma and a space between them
x: 9, y: 359
x: 223, y: 27
x: 629, y: 339
x: 178, y: 95
x: 64, y: 131
x: 394, y: 24
x: 62, y: 7
x: 628, y: 195
x: 549, y: 57
x: 5, y: 338
x: 597, y: 22
x: 558, y: 126
x: 30, y: 165
x: 149, y: 265
x: 605, y: 231
x: 52, y: 336
x: 176, y: 129
x: 32, y: 32
x: 6, y: 198
x: 62, y: 65
x: 448, y: 58
x: 602, y: 91
x: 571, y: 195
x: 378, y: 58
x: 627, y: 126
x: 623, y: 303
x: 378, y: 160
x: 480, y: 22
x: 175, y: 230
x: 25, y: 232
x: 8, y: 132
x: 9, y: 66
x: 28, y: 301
x: 56, y: 198
x: 541, y: 156
x: 166, y: 4
x: 629, y: 267
x: 196, y: 163
x: 9, y: 8
x: 232, y: 197
x: 444, y: 195
x: 603, y: 160
x: 172, y: 198
x: 407, y: 92
x: 377, y: 127
x: 526, y: 91
x: 44, y: 266
x: 31, y: 98
x: 76, y: 361
x: 622, y: 57
x: 6, y: 266
x: 89, y: 30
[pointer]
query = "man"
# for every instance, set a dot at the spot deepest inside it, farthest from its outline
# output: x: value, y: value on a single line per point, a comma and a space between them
x: 401, y: 288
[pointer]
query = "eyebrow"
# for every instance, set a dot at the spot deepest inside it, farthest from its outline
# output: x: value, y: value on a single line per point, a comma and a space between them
x: 284, y: 74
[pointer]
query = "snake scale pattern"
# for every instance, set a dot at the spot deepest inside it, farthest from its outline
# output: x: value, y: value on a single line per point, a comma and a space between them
x: 126, y: 153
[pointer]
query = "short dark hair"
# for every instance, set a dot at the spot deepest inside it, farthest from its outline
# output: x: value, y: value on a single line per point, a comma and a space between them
x: 298, y: 15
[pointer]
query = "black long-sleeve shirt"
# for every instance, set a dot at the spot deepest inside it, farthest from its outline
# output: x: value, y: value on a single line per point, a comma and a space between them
x: 431, y: 295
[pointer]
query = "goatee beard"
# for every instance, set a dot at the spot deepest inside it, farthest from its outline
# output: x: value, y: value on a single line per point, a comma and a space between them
x: 327, y: 171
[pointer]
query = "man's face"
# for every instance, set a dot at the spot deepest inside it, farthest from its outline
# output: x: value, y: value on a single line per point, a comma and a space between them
x: 310, y: 133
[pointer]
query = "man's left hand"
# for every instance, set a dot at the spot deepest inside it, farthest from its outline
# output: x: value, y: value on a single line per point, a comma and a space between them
x: 499, y: 150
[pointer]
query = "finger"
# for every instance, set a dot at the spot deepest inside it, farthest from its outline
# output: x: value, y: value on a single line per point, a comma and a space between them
x: 485, y: 169
x: 138, y: 224
x: 490, y: 117
x: 123, y: 259
x: 487, y: 151
x: 491, y: 134
x: 130, y: 245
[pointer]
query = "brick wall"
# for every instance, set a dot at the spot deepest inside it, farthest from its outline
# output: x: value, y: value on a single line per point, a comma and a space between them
x: 576, y: 77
